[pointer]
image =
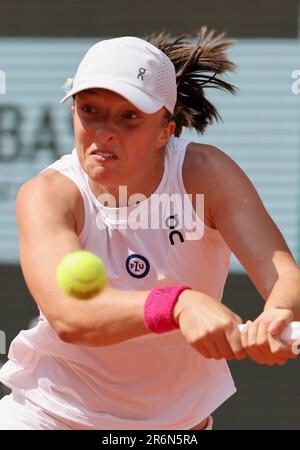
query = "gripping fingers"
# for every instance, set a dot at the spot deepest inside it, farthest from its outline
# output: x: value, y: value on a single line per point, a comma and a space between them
x: 208, y: 349
x: 215, y: 345
x: 249, y: 342
x: 223, y: 346
x: 236, y: 347
x: 261, y: 346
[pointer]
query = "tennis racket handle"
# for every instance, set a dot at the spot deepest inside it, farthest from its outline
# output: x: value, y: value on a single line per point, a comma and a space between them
x: 289, y: 335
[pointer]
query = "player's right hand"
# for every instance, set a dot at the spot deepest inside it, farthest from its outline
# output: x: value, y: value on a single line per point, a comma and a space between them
x: 208, y: 326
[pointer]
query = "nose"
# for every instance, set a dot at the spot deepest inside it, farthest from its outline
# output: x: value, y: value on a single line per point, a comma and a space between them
x: 104, y: 133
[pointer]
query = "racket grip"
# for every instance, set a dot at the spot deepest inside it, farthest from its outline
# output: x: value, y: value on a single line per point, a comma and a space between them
x: 289, y: 335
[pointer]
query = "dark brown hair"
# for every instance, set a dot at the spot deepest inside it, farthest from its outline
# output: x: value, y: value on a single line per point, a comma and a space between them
x: 197, y: 65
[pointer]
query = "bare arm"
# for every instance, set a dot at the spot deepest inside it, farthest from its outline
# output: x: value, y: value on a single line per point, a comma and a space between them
x: 239, y: 215
x: 243, y: 221
x: 47, y: 210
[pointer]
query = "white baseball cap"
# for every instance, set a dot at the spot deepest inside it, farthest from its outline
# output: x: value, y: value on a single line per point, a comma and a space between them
x: 131, y: 67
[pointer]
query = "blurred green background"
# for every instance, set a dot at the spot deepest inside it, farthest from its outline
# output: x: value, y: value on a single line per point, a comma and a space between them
x: 40, y: 46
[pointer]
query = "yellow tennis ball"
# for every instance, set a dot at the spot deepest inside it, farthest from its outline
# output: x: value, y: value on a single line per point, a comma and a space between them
x: 81, y: 274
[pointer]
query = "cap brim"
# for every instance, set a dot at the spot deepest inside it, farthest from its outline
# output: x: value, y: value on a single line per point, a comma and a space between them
x: 138, y: 98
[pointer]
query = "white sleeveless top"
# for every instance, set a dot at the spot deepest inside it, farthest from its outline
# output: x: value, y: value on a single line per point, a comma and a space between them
x: 157, y: 381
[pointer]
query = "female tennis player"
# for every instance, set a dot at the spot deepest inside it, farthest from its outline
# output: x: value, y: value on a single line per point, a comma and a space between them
x: 149, y: 351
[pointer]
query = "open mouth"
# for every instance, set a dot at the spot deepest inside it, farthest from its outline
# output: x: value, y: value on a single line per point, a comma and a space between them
x: 103, y: 156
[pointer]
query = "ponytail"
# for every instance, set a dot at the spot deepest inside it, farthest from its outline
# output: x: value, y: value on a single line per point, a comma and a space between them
x: 198, y: 66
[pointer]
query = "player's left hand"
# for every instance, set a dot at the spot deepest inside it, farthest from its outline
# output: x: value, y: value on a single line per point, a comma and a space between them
x: 261, y: 338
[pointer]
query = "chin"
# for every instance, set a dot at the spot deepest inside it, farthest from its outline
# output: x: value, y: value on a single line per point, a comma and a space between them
x: 103, y: 176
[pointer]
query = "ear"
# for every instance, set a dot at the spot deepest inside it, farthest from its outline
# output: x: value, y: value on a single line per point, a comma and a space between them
x: 166, y: 133
x: 72, y: 110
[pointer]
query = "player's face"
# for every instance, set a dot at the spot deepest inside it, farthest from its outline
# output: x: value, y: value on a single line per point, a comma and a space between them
x: 118, y: 144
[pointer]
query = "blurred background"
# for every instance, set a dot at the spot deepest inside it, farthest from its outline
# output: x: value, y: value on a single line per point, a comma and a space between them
x: 41, y: 44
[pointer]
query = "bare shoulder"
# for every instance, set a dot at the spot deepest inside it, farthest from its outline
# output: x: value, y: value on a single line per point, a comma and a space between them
x: 210, y: 171
x: 207, y: 167
x: 48, y: 187
x: 207, y: 160
x: 51, y: 190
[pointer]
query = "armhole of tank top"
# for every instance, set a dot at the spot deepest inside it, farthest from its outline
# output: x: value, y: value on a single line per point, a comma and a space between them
x: 87, y: 217
x: 211, y: 232
x: 86, y: 206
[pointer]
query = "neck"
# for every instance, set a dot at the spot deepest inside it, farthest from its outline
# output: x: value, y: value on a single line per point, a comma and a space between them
x: 145, y: 185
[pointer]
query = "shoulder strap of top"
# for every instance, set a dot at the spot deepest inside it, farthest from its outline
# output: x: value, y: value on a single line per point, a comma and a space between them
x: 176, y: 150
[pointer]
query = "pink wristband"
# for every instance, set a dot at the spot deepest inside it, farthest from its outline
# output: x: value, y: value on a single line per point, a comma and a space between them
x: 159, y: 306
